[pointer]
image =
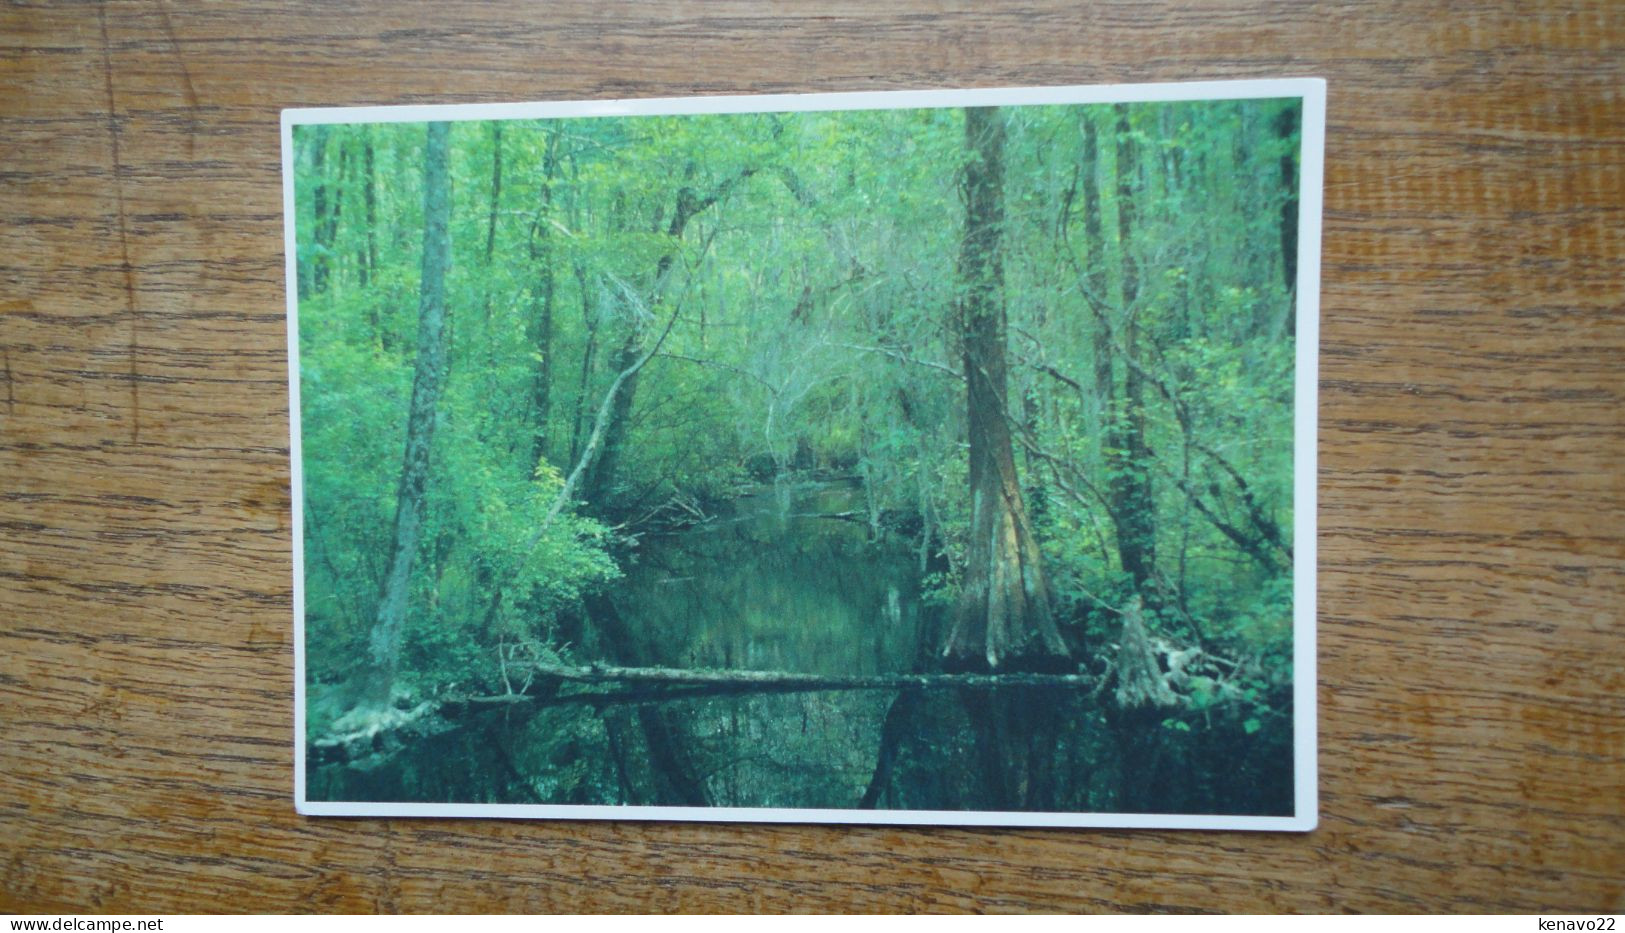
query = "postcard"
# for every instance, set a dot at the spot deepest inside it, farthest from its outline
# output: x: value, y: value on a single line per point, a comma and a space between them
x: 937, y: 457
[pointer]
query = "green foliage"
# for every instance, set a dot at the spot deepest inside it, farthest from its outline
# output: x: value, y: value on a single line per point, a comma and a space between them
x: 810, y: 292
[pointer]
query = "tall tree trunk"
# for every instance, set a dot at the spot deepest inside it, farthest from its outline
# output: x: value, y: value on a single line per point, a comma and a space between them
x: 1004, y: 617
x: 541, y: 256
x: 496, y: 190
x: 1133, y: 502
x: 1286, y: 128
x: 321, y: 208
x: 368, y: 260
x: 1094, y: 238
x: 428, y: 375
x: 488, y: 279
x: 343, y: 178
x: 589, y: 323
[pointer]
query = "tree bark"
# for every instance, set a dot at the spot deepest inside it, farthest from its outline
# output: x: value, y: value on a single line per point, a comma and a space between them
x: 489, y: 283
x: 1133, y: 500
x: 1094, y: 238
x: 321, y: 209
x: 541, y: 256
x: 496, y: 190
x: 367, y: 252
x: 1286, y: 127
x: 1140, y: 683
x: 589, y: 323
x: 428, y: 374
x: 1004, y: 616
x: 368, y: 259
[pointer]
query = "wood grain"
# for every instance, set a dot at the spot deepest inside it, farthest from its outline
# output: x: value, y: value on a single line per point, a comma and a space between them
x: 1472, y: 550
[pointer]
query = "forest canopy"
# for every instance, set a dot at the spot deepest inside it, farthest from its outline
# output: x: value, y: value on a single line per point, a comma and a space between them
x: 615, y: 427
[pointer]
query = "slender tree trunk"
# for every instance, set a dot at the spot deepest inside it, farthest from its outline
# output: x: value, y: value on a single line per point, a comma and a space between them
x: 496, y: 189
x: 1133, y: 500
x: 428, y: 375
x: 542, y: 257
x: 1286, y: 128
x: 369, y: 205
x: 589, y: 323
x: 488, y: 280
x: 1004, y: 617
x: 1094, y: 238
x: 368, y: 258
x: 321, y: 208
x: 343, y: 178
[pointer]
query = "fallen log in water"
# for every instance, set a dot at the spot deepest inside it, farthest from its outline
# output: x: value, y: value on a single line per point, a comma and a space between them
x: 381, y: 733
x: 1158, y: 678
x: 785, y: 681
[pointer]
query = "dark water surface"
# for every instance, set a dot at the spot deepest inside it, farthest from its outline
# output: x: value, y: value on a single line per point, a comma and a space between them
x: 772, y: 583
x: 777, y: 584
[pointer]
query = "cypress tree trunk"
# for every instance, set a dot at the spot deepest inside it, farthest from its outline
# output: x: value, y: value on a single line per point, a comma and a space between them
x: 1004, y: 616
x: 427, y: 378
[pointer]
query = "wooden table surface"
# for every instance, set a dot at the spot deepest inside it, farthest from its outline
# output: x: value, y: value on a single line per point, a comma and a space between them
x: 1472, y: 542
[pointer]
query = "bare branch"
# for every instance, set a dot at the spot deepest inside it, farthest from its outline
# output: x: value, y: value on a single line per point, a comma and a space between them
x: 899, y: 355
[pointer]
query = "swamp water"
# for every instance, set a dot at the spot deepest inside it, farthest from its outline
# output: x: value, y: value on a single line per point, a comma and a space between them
x: 775, y: 582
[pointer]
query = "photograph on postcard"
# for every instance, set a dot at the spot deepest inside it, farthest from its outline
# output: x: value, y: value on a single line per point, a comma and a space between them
x: 874, y: 458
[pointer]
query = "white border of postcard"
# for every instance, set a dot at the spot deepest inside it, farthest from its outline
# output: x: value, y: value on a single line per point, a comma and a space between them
x: 1313, y: 93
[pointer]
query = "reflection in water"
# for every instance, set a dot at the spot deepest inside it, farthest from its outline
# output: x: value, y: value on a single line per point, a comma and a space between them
x: 776, y: 584
x: 773, y: 583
